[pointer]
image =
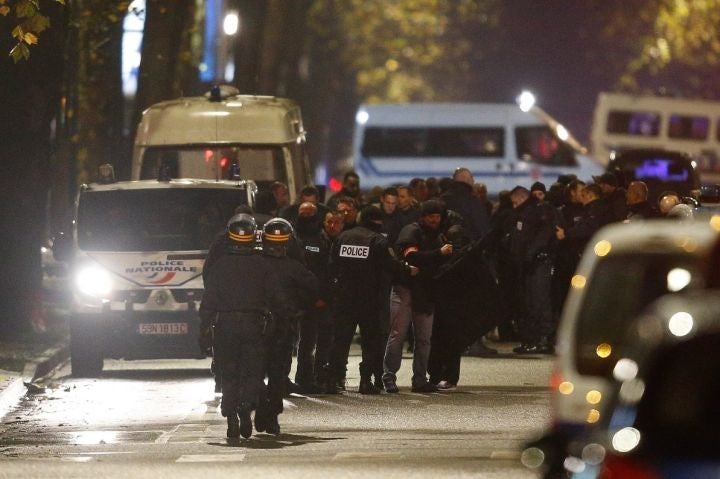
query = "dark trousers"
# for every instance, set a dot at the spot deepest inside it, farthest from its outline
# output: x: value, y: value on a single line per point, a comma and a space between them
x: 447, y: 346
x: 308, y: 331
x: 325, y: 336
x: 347, y: 318
x: 538, y: 323
x: 280, y: 345
x: 240, y: 354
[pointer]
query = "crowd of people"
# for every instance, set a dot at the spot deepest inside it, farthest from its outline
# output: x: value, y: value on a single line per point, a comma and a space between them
x: 435, y: 260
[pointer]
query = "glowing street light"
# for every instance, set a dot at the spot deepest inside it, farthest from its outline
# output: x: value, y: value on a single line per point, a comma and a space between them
x: 231, y: 23
x: 526, y: 101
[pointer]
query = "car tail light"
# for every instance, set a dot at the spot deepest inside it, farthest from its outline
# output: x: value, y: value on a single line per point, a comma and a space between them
x: 625, y: 467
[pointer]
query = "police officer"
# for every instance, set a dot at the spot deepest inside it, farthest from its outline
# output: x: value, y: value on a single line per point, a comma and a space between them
x: 300, y: 288
x: 533, y: 244
x: 359, y: 259
x: 239, y: 290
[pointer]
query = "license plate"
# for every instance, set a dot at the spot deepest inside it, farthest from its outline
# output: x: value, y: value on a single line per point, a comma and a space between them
x: 163, y: 328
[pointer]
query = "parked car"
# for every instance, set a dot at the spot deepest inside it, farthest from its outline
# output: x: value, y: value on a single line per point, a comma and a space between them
x: 659, y: 417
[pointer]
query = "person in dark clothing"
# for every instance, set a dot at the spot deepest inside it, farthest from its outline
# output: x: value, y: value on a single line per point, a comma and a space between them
x: 575, y: 237
x: 538, y: 190
x: 392, y: 223
x: 497, y: 245
x: 308, y: 194
x: 569, y: 249
x: 241, y: 289
x: 350, y: 189
x: 407, y: 209
x: 613, y: 198
x: 348, y: 207
x: 360, y: 258
x: 460, y: 198
x: 332, y: 227
x: 413, y: 300
x: 534, y: 243
x: 301, y: 290
x: 316, y: 248
x: 468, y: 307
x: 637, y: 202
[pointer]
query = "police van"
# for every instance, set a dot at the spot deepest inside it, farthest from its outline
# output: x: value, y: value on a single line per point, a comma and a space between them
x: 135, y: 256
x: 502, y: 145
x: 623, y: 121
x: 222, y: 135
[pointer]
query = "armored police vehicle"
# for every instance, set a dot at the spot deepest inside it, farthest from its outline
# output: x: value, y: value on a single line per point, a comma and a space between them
x: 223, y: 134
x: 136, y: 253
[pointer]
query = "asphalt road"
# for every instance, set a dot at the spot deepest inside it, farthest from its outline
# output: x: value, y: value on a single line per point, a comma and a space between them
x: 161, y: 419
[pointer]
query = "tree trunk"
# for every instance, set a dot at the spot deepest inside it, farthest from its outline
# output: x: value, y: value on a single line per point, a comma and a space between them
x: 29, y: 97
x: 161, y: 65
x: 248, y: 44
x: 273, y: 47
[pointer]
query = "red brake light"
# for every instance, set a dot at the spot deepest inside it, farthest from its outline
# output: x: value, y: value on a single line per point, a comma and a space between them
x: 619, y: 467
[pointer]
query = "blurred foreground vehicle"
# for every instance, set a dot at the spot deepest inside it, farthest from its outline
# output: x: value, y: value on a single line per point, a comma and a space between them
x: 624, y: 268
x: 135, y: 257
x: 660, y: 418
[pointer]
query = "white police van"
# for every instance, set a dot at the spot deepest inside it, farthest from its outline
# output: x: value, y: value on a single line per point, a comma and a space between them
x: 502, y: 145
x: 223, y: 135
x: 135, y: 256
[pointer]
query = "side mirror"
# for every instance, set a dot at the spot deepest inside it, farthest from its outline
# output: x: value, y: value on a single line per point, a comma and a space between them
x: 62, y: 247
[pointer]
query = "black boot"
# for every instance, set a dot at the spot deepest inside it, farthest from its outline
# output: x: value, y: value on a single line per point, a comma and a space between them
x: 245, y: 420
x: 273, y: 426
x: 261, y: 419
x: 233, y: 429
x: 367, y: 386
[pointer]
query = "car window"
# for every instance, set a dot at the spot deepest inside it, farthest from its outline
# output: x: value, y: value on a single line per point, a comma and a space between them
x: 621, y: 286
x: 538, y: 144
x: 434, y: 142
x: 678, y: 413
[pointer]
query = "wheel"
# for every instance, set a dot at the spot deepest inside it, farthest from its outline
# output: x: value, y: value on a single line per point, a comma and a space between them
x: 86, y: 359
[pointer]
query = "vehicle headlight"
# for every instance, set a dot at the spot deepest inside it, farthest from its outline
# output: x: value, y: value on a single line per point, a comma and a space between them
x: 93, y: 281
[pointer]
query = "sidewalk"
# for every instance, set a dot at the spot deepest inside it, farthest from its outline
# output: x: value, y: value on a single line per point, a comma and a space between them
x: 30, y: 357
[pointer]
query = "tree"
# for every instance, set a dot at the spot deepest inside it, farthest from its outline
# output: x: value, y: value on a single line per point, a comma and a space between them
x: 680, y: 53
x: 29, y: 97
x: 28, y: 24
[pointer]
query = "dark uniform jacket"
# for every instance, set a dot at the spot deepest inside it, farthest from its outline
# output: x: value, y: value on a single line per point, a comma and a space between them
x: 474, y: 212
x: 642, y: 210
x: 421, y: 248
x: 534, y: 237
x: 316, y: 248
x: 241, y: 281
x: 359, y: 261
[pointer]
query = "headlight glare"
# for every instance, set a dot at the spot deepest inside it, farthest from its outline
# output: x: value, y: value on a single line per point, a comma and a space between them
x: 93, y: 281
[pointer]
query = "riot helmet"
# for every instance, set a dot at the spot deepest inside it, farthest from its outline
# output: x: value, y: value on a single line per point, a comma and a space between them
x: 241, y: 230
x: 277, y: 234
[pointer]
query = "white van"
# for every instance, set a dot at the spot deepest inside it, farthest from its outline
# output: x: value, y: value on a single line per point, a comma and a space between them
x: 135, y: 256
x: 622, y: 121
x: 624, y: 268
x: 502, y: 145
x: 224, y: 135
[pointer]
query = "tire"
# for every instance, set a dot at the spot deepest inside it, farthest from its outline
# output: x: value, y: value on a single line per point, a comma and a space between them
x: 86, y: 359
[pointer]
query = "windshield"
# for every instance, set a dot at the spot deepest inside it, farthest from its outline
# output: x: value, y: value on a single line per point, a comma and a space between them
x: 620, y: 288
x: 538, y: 144
x: 434, y: 142
x: 172, y: 219
x: 259, y: 163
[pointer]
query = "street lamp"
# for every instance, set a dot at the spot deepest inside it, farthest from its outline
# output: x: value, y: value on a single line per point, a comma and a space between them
x: 527, y: 103
x: 231, y: 23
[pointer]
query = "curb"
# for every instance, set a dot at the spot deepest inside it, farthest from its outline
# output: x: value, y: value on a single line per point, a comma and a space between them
x: 35, y: 369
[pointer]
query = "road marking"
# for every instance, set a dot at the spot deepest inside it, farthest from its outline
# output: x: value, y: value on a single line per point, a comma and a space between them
x: 165, y: 437
x: 77, y: 459
x: 368, y: 455
x: 211, y: 458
